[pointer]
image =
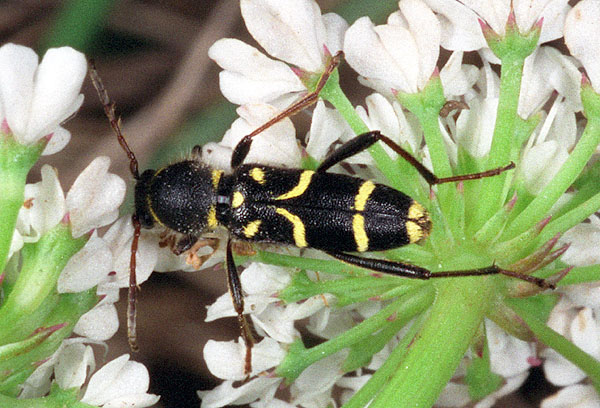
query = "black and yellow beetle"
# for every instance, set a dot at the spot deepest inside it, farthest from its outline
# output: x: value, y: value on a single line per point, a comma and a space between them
x: 335, y: 213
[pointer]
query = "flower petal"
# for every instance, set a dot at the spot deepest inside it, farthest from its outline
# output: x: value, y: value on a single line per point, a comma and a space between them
x: 72, y: 365
x: 17, y: 68
x: 87, y: 267
x: 582, y: 36
x: 292, y: 31
x: 95, y: 197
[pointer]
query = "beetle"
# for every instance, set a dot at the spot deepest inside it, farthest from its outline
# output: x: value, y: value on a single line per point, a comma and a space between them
x: 302, y: 208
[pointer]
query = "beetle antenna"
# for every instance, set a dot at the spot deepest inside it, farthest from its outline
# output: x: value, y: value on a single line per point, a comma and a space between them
x: 115, y: 121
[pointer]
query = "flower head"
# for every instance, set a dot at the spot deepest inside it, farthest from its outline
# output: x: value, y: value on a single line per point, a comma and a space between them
x: 36, y: 99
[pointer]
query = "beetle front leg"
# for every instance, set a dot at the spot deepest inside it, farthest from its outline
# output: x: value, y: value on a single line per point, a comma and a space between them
x: 235, y: 290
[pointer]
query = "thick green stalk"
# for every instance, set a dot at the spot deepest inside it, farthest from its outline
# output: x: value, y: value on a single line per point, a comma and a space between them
x: 440, y: 345
x: 43, y: 262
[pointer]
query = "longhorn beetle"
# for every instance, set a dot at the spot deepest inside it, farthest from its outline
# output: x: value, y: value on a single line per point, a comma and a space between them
x: 298, y: 207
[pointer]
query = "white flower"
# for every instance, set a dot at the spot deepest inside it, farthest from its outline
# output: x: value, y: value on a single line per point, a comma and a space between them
x: 226, y: 394
x: 95, y: 197
x: 549, y: 147
x: 225, y: 359
x: 547, y: 71
x: 276, y: 146
x: 35, y: 100
x: 68, y: 365
x: 93, y: 201
x: 120, y: 384
x: 509, y: 356
x: 460, y: 22
x: 293, y: 31
x: 44, y: 208
x: 405, y: 53
x: 582, y: 327
x: 582, y: 36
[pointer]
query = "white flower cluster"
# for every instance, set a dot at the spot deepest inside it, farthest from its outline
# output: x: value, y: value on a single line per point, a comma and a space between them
x: 402, y: 56
x: 34, y: 101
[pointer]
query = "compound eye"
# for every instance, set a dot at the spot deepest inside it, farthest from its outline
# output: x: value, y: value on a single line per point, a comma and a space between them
x: 146, y: 220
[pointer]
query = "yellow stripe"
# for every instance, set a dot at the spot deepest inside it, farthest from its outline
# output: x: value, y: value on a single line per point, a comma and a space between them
x: 238, y: 199
x: 360, y: 235
x: 152, y: 213
x: 251, y: 228
x: 212, y: 217
x: 414, y: 231
x: 257, y: 175
x: 300, y: 188
x: 216, y: 176
x: 416, y: 211
x: 299, y: 232
x: 364, y: 192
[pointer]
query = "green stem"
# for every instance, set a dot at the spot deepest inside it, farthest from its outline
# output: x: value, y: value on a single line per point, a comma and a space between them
x: 404, y: 308
x: 378, y: 379
x: 43, y: 262
x: 492, y: 197
x: 15, y: 162
x: 334, y: 95
x: 552, y: 339
x: 440, y: 345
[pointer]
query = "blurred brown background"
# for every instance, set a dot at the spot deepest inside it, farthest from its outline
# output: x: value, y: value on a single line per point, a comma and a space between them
x: 152, y: 56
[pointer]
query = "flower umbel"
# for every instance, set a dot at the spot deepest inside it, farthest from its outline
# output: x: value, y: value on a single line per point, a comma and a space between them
x: 446, y: 334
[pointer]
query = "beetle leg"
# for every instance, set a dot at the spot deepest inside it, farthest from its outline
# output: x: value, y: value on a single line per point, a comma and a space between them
x: 365, y: 140
x: 235, y: 290
x: 243, y: 147
x: 412, y: 271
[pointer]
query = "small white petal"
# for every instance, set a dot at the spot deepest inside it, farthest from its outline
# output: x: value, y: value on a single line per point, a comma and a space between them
x: 460, y: 29
x: 475, y: 126
x: 17, y: 68
x: 119, y: 237
x: 335, y: 27
x: 119, y: 380
x: 48, y: 204
x: 326, y: 127
x: 582, y: 36
x: 292, y: 31
x: 264, y: 279
x: 56, y: 92
x: 72, y: 365
x: 60, y: 138
x: 560, y: 371
x: 226, y: 359
x: 87, y: 267
x: 541, y: 163
x: 272, y: 321
x: 95, y: 197
x: 365, y: 43
x: 275, y: 146
x: 508, y: 355
x: 249, y: 75
x: 318, y: 378
x: 457, y: 78
x: 585, y: 332
x: 419, y: 15
x: 100, y: 323
x: 226, y: 394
